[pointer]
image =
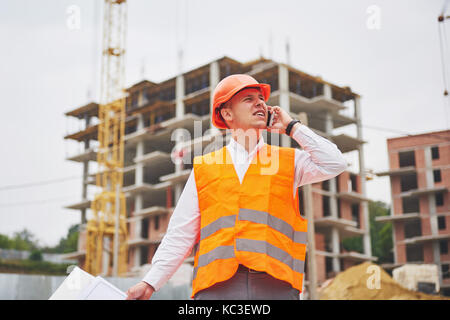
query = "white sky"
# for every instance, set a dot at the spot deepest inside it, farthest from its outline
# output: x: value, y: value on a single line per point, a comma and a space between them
x: 47, y: 69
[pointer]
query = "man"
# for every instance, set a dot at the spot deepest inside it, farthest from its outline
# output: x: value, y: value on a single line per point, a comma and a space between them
x: 239, y: 206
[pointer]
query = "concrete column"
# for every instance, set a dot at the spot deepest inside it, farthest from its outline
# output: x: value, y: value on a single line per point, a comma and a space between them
x: 139, y: 173
x: 283, y: 85
x: 138, y: 199
x: 333, y: 199
x: 177, y: 193
x: 394, y: 226
x: 138, y: 205
x: 178, y: 188
x: 214, y: 78
x: 140, y: 122
x: 333, y: 181
x: 137, y: 228
x: 362, y: 172
x: 432, y: 209
x: 179, y: 95
x: 335, y: 247
x: 430, y: 184
x: 327, y: 91
x: 137, y: 256
x: 335, y: 238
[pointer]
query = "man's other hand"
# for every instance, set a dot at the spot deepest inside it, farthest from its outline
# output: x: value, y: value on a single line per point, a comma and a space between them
x: 140, y: 291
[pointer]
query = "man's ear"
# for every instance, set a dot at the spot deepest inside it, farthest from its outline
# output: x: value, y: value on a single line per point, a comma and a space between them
x: 226, y: 114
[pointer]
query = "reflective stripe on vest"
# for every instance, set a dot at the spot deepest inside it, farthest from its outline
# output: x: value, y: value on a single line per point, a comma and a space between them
x: 261, y: 217
x: 273, y: 222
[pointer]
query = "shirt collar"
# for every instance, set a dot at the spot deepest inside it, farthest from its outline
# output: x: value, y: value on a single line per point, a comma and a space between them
x: 236, y: 147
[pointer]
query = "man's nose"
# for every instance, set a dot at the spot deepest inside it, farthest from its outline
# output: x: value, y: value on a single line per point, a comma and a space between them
x: 261, y: 103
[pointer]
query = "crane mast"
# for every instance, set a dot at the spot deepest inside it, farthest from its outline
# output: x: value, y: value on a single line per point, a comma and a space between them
x: 106, y: 242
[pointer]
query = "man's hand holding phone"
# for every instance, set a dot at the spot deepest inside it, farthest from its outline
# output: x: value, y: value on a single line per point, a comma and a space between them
x: 279, y: 119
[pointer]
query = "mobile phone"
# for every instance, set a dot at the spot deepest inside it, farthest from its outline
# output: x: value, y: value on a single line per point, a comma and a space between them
x: 269, y: 119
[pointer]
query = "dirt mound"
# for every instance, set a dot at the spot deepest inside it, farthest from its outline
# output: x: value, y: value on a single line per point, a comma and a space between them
x: 360, y: 283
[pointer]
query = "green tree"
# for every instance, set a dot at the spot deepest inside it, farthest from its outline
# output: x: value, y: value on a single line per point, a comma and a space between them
x: 380, y: 234
x: 24, y: 240
x: 66, y: 244
x: 36, y: 255
x: 5, y: 242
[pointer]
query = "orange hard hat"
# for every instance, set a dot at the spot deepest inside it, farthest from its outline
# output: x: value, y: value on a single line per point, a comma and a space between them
x: 228, y: 87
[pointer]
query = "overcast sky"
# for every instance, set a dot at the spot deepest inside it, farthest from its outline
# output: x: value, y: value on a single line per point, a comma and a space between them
x: 50, y: 64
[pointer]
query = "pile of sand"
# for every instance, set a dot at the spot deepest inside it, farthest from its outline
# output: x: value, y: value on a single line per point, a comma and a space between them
x: 352, y: 284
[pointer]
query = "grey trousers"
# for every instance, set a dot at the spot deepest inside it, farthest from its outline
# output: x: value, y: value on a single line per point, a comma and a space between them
x: 245, y: 285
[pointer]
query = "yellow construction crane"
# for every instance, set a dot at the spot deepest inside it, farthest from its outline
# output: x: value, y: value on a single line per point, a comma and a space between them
x: 106, y: 242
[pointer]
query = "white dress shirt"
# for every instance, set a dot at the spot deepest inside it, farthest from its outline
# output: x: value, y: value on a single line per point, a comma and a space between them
x: 319, y: 160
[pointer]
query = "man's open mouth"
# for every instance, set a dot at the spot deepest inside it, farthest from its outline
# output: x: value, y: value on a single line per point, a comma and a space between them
x: 261, y: 114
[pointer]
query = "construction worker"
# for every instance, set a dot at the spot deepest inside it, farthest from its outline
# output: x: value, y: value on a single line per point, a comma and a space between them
x: 239, y: 207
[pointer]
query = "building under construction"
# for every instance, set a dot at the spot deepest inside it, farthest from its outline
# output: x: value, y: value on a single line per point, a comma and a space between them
x: 153, y: 181
x: 419, y: 176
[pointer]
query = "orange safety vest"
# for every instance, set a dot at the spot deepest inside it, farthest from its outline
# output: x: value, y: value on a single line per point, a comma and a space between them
x: 256, y: 223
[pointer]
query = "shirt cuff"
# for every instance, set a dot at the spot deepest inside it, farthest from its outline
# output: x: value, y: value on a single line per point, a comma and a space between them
x: 153, y: 279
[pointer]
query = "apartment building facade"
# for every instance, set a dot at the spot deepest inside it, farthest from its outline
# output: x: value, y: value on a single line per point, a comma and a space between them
x: 158, y: 156
x: 419, y: 172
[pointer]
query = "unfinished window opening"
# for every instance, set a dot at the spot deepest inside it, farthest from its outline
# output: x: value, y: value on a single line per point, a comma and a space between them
x: 304, y: 86
x: 406, y: 159
x: 149, y: 147
x: 156, y: 222
x: 129, y: 155
x: 355, y: 214
x: 341, y: 94
x: 328, y: 266
x: 147, y: 119
x: 167, y: 94
x: 445, y: 270
x: 272, y: 81
x: 226, y: 70
x: 414, y: 253
x: 229, y: 68
x: 129, y: 179
x: 152, y: 176
x: 134, y: 100
x: 443, y: 246
x: 410, y: 204
x: 146, y: 96
x: 200, y: 108
x: 439, y: 198
x: 326, y: 206
x: 196, y: 83
x: 437, y: 175
x: 144, y: 228
x: 434, y: 152
x: 408, y: 182
x: 412, y: 229
x: 441, y: 223
x: 130, y: 128
x: 352, y: 183
x: 143, y: 255
x: 339, y: 211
